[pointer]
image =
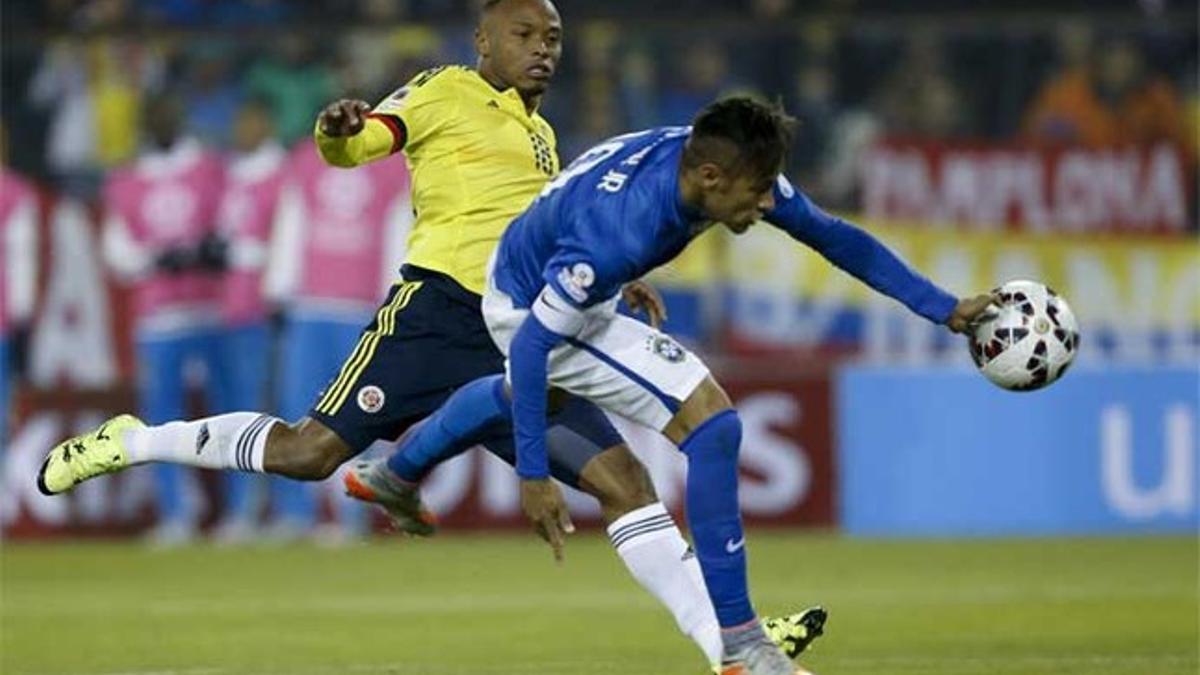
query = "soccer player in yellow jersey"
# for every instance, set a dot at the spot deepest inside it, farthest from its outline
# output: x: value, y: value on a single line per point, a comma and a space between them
x: 479, y: 153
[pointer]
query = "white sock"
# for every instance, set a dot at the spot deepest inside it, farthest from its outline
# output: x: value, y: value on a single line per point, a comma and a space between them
x: 232, y: 441
x: 657, y: 555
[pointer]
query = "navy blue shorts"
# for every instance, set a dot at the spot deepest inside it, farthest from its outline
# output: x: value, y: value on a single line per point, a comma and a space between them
x: 427, y: 339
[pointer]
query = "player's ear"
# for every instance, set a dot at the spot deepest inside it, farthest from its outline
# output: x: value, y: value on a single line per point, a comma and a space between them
x: 711, y: 175
x: 481, y: 42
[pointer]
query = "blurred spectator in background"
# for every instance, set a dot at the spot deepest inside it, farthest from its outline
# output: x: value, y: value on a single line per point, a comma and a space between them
x: 245, y: 219
x: 596, y: 113
x: 918, y: 98
x: 378, y: 56
x: 227, y: 12
x: 253, y: 12
x: 701, y: 75
x: 92, y: 92
x: 769, y: 56
x: 160, y: 237
x: 1112, y: 100
x: 812, y: 103
x: 18, y: 278
x: 338, y: 240
x: 61, y: 89
x: 637, y: 88
x: 811, y: 97
x: 295, y: 83
x: 212, y: 95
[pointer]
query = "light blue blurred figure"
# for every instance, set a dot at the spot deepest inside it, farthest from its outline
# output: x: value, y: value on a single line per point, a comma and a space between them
x: 246, y: 221
x: 164, y: 364
x: 314, y: 347
x: 160, y: 238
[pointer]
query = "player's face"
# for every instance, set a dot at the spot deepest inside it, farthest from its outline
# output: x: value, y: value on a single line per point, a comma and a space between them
x: 164, y: 121
x: 251, y: 128
x: 739, y: 201
x: 520, y: 43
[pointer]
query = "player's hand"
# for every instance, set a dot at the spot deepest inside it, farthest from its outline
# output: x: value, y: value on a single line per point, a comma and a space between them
x: 175, y: 260
x: 971, y: 311
x: 641, y: 296
x: 543, y: 503
x: 344, y: 117
x: 213, y: 253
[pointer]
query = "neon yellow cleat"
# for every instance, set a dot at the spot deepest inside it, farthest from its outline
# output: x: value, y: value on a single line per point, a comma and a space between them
x: 795, y: 632
x: 78, y: 459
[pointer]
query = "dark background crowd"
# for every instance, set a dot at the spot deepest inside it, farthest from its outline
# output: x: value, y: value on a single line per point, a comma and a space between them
x: 76, y: 73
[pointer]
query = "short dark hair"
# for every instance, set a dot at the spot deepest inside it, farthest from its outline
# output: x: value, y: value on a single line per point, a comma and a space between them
x: 740, y: 133
x: 488, y: 5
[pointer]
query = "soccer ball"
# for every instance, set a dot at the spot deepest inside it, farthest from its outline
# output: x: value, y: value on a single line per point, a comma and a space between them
x: 1029, y: 341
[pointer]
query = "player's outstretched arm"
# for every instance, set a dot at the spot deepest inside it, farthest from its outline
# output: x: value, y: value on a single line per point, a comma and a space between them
x: 862, y: 255
x: 347, y: 135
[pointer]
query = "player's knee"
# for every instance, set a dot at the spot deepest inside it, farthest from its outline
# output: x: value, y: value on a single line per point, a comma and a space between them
x: 619, y: 481
x: 718, y: 437
x: 705, y: 403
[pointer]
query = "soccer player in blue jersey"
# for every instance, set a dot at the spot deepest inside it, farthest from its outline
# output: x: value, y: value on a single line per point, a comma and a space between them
x: 621, y: 209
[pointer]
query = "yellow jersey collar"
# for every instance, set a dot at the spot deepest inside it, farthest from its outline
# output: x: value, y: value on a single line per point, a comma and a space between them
x: 511, y: 94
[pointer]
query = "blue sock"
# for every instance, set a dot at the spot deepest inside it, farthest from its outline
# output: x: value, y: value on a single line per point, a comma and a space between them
x: 453, y: 428
x: 714, y: 517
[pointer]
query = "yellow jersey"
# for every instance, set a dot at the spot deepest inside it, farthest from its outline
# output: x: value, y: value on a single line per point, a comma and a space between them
x: 477, y: 159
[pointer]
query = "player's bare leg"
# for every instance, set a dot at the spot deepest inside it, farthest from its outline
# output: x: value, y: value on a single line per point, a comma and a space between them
x: 306, y: 450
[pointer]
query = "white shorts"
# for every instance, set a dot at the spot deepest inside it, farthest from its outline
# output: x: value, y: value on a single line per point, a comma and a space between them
x: 622, y: 365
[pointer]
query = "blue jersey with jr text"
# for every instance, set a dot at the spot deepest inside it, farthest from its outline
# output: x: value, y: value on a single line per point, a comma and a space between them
x: 616, y: 213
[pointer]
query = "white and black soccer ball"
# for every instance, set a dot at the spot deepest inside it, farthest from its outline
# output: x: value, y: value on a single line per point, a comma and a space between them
x: 1029, y: 341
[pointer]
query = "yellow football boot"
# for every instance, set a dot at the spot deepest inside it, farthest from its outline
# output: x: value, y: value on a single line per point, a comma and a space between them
x: 92, y: 454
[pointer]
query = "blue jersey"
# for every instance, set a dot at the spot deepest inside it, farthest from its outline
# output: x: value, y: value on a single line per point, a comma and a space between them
x: 608, y: 218
x: 615, y: 214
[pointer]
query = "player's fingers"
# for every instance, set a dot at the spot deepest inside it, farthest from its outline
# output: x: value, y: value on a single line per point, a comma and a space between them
x: 362, y: 107
x: 331, y: 118
x: 540, y: 528
x: 564, y: 521
x: 656, y: 310
x: 353, y: 115
x: 555, y: 537
x: 657, y: 313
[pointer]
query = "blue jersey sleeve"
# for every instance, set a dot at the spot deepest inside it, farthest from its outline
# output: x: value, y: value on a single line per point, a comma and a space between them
x: 530, y: 349
x: 857, y: 252
x: 551, y: 320
x: 584, y: 275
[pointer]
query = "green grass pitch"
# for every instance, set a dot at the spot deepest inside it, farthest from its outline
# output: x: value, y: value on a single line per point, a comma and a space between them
x: 498, y: 605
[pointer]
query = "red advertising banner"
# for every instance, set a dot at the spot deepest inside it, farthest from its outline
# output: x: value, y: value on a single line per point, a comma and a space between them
x: 787, y: 464
x: 1021, y: 187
